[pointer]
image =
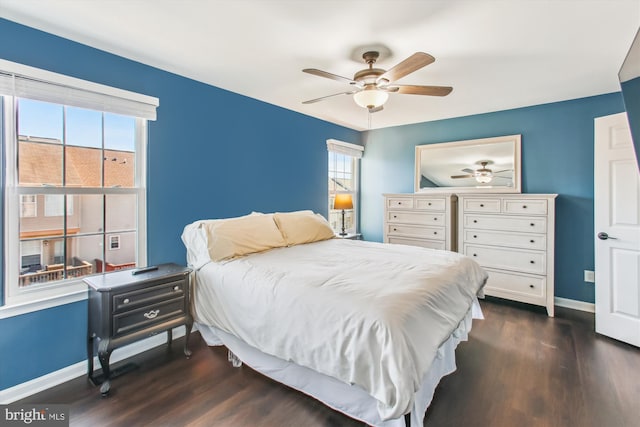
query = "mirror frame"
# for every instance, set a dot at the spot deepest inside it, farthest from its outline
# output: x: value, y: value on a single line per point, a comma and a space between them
x: 517, y: 180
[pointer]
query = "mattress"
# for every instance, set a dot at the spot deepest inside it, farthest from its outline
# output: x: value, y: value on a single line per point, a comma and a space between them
x: 372, y: 316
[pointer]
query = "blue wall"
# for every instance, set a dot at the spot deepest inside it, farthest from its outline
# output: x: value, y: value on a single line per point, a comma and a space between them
x: 557, y: 157
x: 212, y: 153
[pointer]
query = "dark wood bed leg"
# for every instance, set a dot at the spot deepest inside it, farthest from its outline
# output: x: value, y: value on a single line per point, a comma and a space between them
x: 407, y: 419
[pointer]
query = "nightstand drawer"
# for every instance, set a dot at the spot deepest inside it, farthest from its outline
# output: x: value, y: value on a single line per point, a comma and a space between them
x: 145, y: 317
x: 127, y: 301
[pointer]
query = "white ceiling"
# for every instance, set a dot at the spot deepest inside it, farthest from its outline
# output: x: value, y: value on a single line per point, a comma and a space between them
x: 497, y: 54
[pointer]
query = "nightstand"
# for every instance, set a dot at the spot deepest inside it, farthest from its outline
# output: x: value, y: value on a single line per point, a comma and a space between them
x: 126, y: 307
x: 350, y: 236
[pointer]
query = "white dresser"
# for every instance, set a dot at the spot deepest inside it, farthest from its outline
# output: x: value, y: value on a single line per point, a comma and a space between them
x: 426, y: 220
x: 512, y: 237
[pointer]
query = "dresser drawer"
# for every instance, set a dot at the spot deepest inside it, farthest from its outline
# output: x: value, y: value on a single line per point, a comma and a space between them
x: 506, y: 223
x: 400, y: 203
x: 514, y: 240
x: 144, y: 317
x: 423, y: 243
x: 482, y: 205
x: 416, y: 218
x: 126, y: 301
x: 532, y: 286
x: 430, y: 204
x: 507, y: 258
x: 526, y: 207
x: 433, y: 233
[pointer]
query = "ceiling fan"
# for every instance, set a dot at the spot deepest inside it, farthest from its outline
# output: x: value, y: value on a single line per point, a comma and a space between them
x: 371, y: 86
x: 483, y: 174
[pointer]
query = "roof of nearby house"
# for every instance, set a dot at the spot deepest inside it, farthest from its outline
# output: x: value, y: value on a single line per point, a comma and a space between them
x: 40, y: 162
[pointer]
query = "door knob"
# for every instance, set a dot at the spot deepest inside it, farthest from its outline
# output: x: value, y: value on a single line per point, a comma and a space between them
x: 604, y: 236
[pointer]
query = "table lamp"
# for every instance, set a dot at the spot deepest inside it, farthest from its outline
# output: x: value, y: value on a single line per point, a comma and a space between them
x: 343, y: 201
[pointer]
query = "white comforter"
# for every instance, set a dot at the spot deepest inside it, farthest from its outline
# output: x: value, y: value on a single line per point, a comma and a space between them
x: 369, y: 314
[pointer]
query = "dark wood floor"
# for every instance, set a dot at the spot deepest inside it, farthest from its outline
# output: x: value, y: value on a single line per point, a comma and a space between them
x: 519, y: 368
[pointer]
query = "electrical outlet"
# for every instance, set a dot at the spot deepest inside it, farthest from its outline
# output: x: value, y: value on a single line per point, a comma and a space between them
x: 589, y: 276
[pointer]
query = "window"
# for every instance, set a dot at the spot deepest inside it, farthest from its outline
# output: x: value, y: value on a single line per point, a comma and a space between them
x: 344, y: 160
x: 78, y: 150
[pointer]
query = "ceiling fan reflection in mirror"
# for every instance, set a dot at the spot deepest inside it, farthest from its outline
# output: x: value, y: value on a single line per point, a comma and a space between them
x: 371, y: 86
x: 483, y: 175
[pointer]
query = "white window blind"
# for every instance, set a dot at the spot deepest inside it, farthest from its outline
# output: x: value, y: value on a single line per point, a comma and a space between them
x: 27, y: 82
x: 345, y: 148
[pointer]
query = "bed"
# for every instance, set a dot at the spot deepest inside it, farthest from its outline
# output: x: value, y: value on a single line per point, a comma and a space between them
x: 369, y: 329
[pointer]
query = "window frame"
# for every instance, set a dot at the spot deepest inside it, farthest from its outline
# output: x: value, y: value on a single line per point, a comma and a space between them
x: 140, y: 107
x: 355, y: 153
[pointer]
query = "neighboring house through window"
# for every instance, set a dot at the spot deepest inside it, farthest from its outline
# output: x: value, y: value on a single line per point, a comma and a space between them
x: 344, y: 178
x: 75, y: 162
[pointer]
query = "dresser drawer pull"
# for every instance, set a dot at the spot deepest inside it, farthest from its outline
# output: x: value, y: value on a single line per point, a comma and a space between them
x: 524, y: 206
x: 126, y: 301
x: 475, y: 221
x: 395, y: 229
x: 481, y: 205
x: 532, y: 262
x: 532, y: 241
x: 531, y: 286
x: 176, y: 288
x: 475, y: 236
x: 395, y: 216
x: 435, y: 232
x: 435, y: 219
x: 152, y: 314
x: 399, y: 203
x: 475, y: 254
x: 532, y: 224
x: 429, y: 204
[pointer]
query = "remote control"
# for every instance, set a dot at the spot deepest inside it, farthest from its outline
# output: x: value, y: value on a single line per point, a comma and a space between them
x: 144, y: 269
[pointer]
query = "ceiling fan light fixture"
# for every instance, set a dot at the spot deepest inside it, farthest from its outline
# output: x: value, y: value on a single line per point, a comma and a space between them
x: 370, y: 98
x: 484, y: 177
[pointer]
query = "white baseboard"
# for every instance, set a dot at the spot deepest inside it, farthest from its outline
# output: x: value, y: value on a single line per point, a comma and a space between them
x: 79, y: 369
x: 575, y: 304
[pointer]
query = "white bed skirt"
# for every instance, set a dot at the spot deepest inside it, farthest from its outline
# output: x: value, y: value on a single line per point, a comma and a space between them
x: 348, y: 399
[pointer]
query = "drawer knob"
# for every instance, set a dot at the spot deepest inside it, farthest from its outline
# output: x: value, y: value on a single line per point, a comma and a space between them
x: 395, y: 216
x: 429, y: 204
x: 532, y: 241
x: 481, y: 205
x: 435, y: 219
x: 475, y: 254
x: 531, y: 286
x: 524, y: 206
x: 435, y: 232
x: 399, y: 203
x: 176, y: 288
x: 126, y: 301
x: 532, y: 224
x: 395, y: 229
x: 475, y: 236
x: 532, y: 262
x: 152, y: 314
x: 475, y: 221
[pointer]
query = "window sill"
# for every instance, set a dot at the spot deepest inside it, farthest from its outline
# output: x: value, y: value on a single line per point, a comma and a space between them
x: 42, y: 304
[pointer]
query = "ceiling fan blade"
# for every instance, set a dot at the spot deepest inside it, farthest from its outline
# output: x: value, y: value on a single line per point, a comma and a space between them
x: 424, y: 90
x: 467, y: 170
x: 461, y: 176
x: 311, y: 101
x: 331, y: 76
x: 376, y: 109
x: 409, y: 65
x: 503, y: 170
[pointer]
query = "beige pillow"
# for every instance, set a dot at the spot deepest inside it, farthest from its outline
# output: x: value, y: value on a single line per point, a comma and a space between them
x: 242, y: 236
x: 303, y: 227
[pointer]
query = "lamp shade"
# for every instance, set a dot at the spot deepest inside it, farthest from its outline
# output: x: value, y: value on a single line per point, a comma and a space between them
x: 484, y: 177
x: 343, y: 201
x: 370, y: 98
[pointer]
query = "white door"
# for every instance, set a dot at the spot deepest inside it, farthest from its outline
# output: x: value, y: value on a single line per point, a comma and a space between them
x: 617, y: 230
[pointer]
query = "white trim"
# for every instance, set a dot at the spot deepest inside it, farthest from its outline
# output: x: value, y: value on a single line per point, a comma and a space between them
x: 346, y: 148
x: 18, y: 309
x: 69, y: 87
x: 575, y: 304
x: 79, y: 369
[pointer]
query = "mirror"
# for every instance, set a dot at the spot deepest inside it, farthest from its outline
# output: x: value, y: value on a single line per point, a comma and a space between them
x: 482, y: 165
x: 629, y: 76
